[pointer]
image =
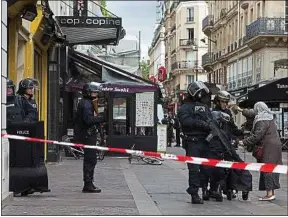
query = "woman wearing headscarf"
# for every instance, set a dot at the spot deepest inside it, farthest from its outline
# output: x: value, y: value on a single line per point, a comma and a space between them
x: 264, y: 134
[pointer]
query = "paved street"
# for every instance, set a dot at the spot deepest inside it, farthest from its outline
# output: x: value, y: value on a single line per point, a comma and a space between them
x: 136, y: 189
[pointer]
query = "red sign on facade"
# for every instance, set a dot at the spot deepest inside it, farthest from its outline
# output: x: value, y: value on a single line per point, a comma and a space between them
x: 162, y: 74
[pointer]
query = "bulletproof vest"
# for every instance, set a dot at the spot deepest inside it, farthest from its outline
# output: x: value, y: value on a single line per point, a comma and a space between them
x: 14, y: 114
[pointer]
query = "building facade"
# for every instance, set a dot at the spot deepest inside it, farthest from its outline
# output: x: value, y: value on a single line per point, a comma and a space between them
x: 31, y: 38
x: 157, y: 51
x: 4, y: 144
x: 183, y: 46
x: 244, y: 39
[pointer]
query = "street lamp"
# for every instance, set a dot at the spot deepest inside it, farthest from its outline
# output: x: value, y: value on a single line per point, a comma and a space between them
x: 204, y: 41
x: 29, y: 13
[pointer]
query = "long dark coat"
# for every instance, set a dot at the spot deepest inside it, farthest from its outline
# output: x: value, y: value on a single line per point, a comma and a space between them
x: 265, y: 133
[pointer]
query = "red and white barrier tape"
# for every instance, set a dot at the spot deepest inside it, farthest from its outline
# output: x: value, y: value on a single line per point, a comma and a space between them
x: 262, y: 167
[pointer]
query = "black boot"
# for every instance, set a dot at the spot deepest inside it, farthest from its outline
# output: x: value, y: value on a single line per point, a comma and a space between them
x: 205, y: 193
x: 90, y: 188
x: 195, y: 199
x: 218, y: 195
x: 245, y: 195
x: 91, y: 174
x: 229, y: 194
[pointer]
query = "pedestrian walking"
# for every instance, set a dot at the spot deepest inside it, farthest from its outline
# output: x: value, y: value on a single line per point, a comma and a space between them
x: 87, y: 123
x: 266, y: 148
x: 195, y: 129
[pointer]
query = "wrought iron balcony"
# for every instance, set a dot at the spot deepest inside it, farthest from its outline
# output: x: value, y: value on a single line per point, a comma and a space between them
x: 207, y: 23
x: 184, y: 65
x: 187, y: 42
x: 265, y: 26
x: 190, y: 19
x: 206, y: 59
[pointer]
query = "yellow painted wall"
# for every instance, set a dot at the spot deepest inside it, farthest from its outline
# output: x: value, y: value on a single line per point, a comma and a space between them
x: 29, y: 61
x: 12, y: 49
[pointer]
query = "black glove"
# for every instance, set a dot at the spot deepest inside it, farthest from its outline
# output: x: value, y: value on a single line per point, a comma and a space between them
x: 101, y: 118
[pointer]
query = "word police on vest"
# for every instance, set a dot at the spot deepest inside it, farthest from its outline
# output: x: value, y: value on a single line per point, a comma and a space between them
x: 70, y: 21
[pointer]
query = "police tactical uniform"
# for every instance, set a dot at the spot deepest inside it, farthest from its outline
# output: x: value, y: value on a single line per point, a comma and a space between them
x: 230, y: 129
x: 86, y: 121
x: 195, y: 129
x: 14, y: 113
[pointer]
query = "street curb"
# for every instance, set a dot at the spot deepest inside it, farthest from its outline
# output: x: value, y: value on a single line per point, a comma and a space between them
x: 144, y: 203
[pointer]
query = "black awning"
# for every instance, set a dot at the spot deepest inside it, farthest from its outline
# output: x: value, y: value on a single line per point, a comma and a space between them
x: 91, y: 30
x: 112, y: 78
x: 276, y: 91
x: 272, y: 92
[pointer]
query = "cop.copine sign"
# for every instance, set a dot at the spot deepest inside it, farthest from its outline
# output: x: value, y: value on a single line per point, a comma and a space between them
x: 89, y: 22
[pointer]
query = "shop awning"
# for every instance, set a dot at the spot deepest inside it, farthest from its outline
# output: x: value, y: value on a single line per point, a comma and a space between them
x: 91, y: 30
x: 272, y: 92
x: 112, y: 78
x: 276, y: 91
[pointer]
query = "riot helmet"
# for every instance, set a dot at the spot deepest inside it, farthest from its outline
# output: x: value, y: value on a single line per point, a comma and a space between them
x: 222, y: 97
x: 90, y: 88
x: 26, y: 84
x: 199, y: 92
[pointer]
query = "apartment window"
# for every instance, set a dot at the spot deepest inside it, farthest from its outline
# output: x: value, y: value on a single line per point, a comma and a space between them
x: 190, y: 15
x: 190, y: 33
x: 251, y: 15
x: 258, y: 10
x: 189, y: 79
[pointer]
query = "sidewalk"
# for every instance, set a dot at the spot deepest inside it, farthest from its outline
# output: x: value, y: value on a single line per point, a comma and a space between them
x: 136, y: 189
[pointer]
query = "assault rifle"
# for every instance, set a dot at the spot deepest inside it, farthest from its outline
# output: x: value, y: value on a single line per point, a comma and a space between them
x: 214, y: 122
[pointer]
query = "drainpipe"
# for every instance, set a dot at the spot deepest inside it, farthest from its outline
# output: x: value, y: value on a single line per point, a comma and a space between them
x: 238, y: 36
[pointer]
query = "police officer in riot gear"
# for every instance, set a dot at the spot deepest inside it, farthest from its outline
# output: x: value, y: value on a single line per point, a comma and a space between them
x: 87, y: 123
x: 14, y: 113
x: 196, y: 128
x: 25, y: 101
x: 221, y: 102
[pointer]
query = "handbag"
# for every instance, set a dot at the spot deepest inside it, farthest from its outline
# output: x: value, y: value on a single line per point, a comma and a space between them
x: 258, y: 152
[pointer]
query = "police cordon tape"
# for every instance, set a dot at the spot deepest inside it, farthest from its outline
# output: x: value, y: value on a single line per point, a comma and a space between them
x: 261, y: 167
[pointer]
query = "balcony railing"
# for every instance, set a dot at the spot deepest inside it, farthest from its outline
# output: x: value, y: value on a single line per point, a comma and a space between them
x: 207, y: 21
x: 206, y: 59
x: 190, y: 19
x: 184, y: 65
x: 265, y: 26
x: 187, y: 42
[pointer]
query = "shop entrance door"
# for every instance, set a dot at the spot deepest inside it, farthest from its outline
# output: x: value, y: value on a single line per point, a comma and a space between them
x: 121, y: 119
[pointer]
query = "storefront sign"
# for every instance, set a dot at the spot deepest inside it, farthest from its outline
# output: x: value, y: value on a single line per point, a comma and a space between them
x: 162, y: 74
x: 162, y: 138
x: 115, y: 89
x: 89, y: 22
x: 282, y: 86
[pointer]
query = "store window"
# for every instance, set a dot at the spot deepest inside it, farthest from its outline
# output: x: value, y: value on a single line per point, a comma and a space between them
x: 121, y: 125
